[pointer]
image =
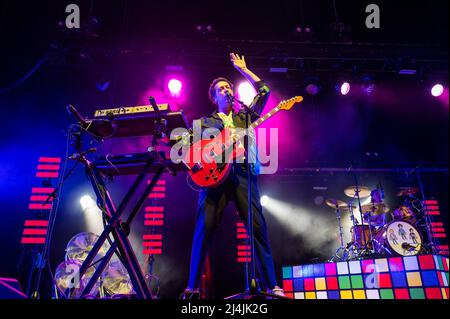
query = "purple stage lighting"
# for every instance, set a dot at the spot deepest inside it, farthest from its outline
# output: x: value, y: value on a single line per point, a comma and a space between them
x: 437, y: 90
x: 345, y: 88
x: 175, y: 86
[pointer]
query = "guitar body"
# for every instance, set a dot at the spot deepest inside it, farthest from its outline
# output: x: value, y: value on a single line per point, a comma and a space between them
x: 209, y: 162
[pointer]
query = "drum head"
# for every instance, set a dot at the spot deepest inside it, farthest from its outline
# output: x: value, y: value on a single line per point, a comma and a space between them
x: 403, y: 238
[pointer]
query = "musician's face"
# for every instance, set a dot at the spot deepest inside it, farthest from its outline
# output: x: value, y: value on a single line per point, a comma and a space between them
x: 222, y: 88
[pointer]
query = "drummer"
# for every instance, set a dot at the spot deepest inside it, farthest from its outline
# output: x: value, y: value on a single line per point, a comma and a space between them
x: 377, y: 217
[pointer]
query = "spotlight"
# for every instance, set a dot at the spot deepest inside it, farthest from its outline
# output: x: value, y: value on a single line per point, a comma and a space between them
x: 174, y: 86
x: 437, y: 90
x: 246, y: 92
x: 264, y: 200
x: 345, y: 88
x: 312, y: 89
x: 87, y: 202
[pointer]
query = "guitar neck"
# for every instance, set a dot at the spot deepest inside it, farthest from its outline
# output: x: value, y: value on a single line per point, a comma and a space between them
x: 255, y: 124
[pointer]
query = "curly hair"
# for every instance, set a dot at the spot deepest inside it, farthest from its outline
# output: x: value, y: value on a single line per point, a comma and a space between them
x: 212, y: 90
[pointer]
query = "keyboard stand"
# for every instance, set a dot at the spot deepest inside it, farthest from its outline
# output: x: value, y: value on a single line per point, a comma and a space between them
x: 118, y: 228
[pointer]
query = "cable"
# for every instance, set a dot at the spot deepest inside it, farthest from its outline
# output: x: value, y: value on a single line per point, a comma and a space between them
x: 25, y: 77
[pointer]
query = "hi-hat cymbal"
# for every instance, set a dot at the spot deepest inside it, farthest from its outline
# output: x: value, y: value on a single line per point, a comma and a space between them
x: 408, y: 191
x: 375, y: 209
x: 352, y: 190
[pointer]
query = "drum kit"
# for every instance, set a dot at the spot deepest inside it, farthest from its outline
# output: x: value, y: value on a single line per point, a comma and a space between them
x: 382, y: 232
x: 113, y: 282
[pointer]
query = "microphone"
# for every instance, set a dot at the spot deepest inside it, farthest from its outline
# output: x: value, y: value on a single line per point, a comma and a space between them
x: 230, y: 97
x: 408, y: 247
x: 72, y: 110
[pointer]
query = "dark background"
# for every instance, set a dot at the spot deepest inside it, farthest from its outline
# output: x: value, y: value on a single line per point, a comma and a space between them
x: 127, y: 44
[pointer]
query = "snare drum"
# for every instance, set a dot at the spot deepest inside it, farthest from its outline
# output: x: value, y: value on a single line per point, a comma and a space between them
x: 398, y: 238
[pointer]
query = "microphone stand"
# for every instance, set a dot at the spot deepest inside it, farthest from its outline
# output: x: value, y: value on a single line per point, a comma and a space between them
x: 252, y: 289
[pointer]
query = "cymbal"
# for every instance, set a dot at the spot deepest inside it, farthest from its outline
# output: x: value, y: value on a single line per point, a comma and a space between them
x: 335, y: 202
x: 408, y: 191
x: 81, y: 244
x: 375, y: 209
x: 116, y: 279
x: 363, y: 191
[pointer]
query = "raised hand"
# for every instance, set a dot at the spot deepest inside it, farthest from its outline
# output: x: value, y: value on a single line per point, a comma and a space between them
x: 238, y: 62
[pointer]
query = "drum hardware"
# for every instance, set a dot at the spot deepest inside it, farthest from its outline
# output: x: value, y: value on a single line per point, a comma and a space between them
x: 337, y: 205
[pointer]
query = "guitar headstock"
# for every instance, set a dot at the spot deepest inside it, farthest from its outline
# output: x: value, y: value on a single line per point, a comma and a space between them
x: 288, y: 104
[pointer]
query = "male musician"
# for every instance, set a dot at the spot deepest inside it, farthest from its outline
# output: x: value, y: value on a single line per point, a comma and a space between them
x: 212, y: 201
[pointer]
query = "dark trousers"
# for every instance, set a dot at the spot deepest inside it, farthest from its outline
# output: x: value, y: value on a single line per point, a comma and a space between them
x: 211, y: 204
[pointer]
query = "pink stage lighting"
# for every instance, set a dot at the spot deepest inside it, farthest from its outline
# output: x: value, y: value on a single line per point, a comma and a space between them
x: 345, y: 88
x: 174, y: 86
x: 437, y: 90
x: 246, y: 92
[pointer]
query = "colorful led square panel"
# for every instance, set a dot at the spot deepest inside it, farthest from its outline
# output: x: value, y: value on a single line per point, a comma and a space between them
x: 384, y: 280
x: 445, y: 263
x: 430, y: 278
x: 332, y: 283
x: 344, y: 282
x: 310, y: 295
x: 299, y: 295
x: 297, y: 272
x: 372, y: 280
x: 342, y: 268
x: 372, y: 294
x: 319, y: 270
x: 287, y: 285
x: 357, y: 282
x: 381, y: 265
x: 444, y: 276
x: 308, y: 271
x: 414, y: 279
x: 438, y: 262
x: 411, y: 263
x: 355, y: 267
x: 368, y: 266
x: 426, y: 262
x: 398, y: 279
x: 287, y: 272
x: 417, y: 293
x: 320, y: 284
x: 396, y: 264
x: 330, y: 269
x: 346, y: 294
x: 309, y: 284
x: 334, y: 294
x: 444, y: 293
x: 322, y: 295
x: 401, y: 293
x: 387, y: 294
x: 298, y: 284
x: 359, y: 294
x: 433, y: 293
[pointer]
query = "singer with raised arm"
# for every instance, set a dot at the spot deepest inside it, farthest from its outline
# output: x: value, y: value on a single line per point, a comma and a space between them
x: 212, y: 201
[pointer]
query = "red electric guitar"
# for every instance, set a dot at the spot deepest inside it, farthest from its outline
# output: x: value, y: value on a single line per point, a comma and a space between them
x: 209, y: 161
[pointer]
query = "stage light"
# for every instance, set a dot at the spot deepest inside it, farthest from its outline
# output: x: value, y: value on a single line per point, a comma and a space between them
x: 246, y: 92
x: 437, y: 90
x: 264, y: 200
x: 312, y: 89
x: 345, y: 88
x: 174, y: 86
x: 87, y: 202
x: 92, y: 214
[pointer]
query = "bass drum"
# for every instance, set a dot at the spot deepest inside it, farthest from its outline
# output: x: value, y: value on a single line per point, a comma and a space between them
x: 398, y: 238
